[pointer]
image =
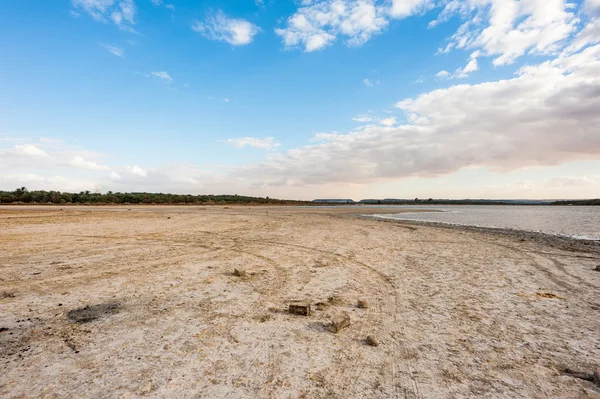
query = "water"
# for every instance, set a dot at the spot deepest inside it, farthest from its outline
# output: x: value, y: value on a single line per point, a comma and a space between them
x: 581, y: 222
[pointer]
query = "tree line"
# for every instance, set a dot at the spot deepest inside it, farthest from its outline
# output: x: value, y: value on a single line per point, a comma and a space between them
x: 24, y: 196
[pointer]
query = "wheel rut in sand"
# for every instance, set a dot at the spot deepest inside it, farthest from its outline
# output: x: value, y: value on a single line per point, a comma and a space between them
x: 402, y: 382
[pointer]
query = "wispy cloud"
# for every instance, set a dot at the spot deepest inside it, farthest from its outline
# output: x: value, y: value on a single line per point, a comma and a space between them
x: 367, y: 82
x: 235, y: 31
x: 162, y: 75
x: 317, y: 24
x: 120, y: 12
x: 119, y: 52
x: 266, y: 144
x: 362, y: 118
x: 461, y: 73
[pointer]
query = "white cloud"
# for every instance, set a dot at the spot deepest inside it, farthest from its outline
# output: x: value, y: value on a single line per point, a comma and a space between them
x: 226, y: 100
x: 503, y: 29
x: 235, y: 31
x: 79, y: 162
x: 508, y: 29
x: 162, y: 75
x: 114, y: 175
x: 119, y: 52
x: 546, y: 115
x: 443, y: 74
x: 406, y: 8
x: 266, y: 144
x: 590, y: 34
x: 137, y: 171
x: 367, y: 82
x: 74, y: 14
x: 28, y: 150
x: 388, y: 121
x: 471, y: 67
x: 317, y: 24
x: 121, y: 12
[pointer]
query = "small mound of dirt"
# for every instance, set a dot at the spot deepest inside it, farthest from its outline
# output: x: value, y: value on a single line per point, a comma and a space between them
x: 7, y: 294
x: 91, y: 313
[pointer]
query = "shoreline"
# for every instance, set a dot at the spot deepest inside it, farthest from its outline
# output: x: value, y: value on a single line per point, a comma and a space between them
x: 555, y: 240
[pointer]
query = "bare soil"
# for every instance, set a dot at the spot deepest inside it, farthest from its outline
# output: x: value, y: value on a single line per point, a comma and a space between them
x: 107, y: 302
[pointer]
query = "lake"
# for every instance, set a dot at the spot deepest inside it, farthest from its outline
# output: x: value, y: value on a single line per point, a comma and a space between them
x: 581, y: 222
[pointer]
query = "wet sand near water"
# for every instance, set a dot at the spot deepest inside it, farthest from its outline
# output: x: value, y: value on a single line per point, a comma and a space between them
x: 142, y: 301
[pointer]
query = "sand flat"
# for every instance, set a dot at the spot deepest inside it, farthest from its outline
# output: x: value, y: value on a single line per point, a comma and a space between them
x: 111, y: 302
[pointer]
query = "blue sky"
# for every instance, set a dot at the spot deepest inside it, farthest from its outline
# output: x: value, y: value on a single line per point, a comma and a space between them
x: 303, y: 99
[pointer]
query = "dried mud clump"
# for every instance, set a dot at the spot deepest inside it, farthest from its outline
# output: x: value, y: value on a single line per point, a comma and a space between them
x: 239, y: 273
x: 362, y: 304
x: 300, y: 308
x: 339, y: 323
x: 88, y: 314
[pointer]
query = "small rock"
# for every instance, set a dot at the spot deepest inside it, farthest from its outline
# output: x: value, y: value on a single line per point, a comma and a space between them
x: 597, y: 269
x: 371, y: 340
x: 597, y: 374
x: 339, y: 323
x: 361, y: 304
x: 239, y: 273
x: 300, y: 308
x: 321, y: 306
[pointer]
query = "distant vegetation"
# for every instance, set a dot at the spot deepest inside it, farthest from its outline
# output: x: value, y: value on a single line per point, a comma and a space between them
x: 578, y: 202
x: 24, y: 196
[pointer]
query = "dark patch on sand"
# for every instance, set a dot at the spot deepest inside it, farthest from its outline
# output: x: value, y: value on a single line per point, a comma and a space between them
x: 93, y: 312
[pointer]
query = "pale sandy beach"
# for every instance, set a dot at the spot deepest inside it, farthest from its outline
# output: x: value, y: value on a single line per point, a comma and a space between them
x: 457, y: 313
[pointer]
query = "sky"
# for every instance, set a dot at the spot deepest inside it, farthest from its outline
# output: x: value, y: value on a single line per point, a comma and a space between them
x: 302, y: 99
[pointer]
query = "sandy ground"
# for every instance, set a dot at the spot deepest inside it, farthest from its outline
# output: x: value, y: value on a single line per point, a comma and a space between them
x: 457, y: 313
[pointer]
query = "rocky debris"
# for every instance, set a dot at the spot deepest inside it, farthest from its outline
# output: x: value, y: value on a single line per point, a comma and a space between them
x: 71, y: 345
x: 91, y: 313
x: 2, y: 329
x: 339, y: 323
x: 7, y: 294
x: 321, y: 306
x: 239, y: 273
x: 300, y: 308
x: 597, y: 269
x: 362, y: 304
x: 371, y: 340
x: 335, y: 300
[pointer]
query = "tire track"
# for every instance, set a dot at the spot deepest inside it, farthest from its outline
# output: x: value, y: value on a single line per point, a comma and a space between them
x: 408, y: 392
